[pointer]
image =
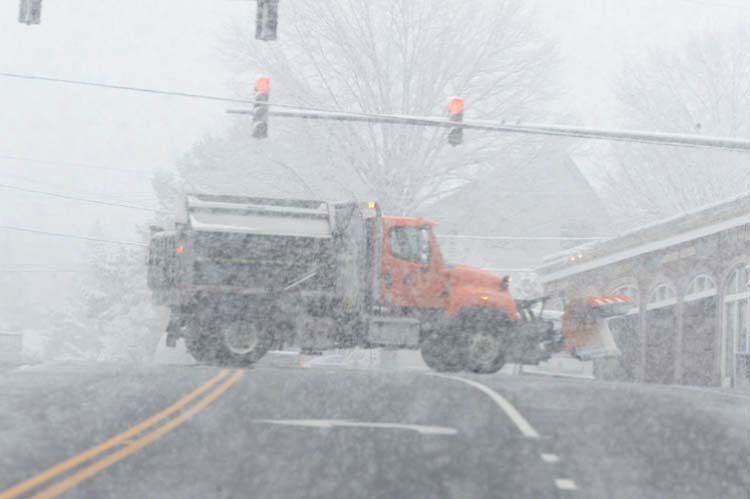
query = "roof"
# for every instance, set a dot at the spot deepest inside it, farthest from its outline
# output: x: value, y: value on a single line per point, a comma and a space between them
x: 703, y: 221
x: 546, y: 196
x: 410, y: 221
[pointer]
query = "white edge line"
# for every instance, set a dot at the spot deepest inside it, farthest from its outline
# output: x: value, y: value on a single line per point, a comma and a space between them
x: 565, y: 484
x: 523, y: 426
x: 345, y: 423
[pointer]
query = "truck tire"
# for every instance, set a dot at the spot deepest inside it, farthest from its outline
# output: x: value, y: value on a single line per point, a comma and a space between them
x: 442, y: 350
x: 486, y: 331
x: 202, y: 348
x: 236, y: 343
x: 241, y: 342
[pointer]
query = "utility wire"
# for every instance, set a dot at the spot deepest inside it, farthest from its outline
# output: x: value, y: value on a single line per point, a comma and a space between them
x: 71, y: 236
x: 84, y: 200
x: 51, y: 271
x: 521, y: 238
x: 154, y: 91
x: 65, y: 163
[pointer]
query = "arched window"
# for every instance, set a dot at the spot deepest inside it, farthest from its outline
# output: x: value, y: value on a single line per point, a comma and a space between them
x: 737, y: 305
x: 739, y: 282
x: 662, y: 295
x: 702, y: 286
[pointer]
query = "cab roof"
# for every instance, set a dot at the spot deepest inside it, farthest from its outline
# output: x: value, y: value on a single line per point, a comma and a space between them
x: 409, y: 221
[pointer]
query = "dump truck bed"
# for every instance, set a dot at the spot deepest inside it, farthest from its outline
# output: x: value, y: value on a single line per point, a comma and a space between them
x: 261, y: 245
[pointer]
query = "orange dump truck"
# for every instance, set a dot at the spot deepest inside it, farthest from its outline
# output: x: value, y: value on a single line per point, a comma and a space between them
x: 242, y: 275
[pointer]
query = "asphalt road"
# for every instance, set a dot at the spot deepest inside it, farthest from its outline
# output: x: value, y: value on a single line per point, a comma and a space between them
x: 280, y: 430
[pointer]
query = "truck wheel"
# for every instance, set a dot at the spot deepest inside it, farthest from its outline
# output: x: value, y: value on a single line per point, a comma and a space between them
x: 202, y: 347
x: 441, y: 350
x: 243, y: 342
x: 484, y: 353
x: 486, y: 331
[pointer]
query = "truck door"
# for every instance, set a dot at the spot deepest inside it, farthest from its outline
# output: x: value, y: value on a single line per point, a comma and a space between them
x: 411, y: 268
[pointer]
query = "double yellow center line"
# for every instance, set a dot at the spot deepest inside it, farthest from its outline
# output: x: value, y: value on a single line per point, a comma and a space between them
x: 123, y: 438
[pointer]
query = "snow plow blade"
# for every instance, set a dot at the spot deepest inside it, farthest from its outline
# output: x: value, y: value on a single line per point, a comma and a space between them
x: 586, y: 325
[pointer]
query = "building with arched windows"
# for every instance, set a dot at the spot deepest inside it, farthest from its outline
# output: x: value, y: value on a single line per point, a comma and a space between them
x: 689, y: 280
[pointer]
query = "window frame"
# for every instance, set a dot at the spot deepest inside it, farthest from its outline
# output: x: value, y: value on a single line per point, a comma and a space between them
x: 420, y: 241
x: 732, y: 296
x: 706, y: 292
x: 669, y: 300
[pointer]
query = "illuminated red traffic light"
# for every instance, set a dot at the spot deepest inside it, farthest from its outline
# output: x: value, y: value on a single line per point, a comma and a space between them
x: 456, y: 105
x: 456, y: 108
x: 260, y: 107
x: 263, y: 85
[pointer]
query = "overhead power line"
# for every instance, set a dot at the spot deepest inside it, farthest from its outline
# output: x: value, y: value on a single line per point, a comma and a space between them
x: 122, y: 87
x: 495, y: 269
x: 521, y: 238
x: 67, y: 163
x: 71, y: 236
x: 34, y: 271
x: 83, y: 200
x: 171, y: 93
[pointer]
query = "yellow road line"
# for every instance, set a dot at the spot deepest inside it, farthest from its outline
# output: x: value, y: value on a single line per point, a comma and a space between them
x: 150, y: 437
x: 108, y: 444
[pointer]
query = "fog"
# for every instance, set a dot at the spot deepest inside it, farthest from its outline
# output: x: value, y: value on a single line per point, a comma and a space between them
x: 105, y: 144
x: 437, y: 284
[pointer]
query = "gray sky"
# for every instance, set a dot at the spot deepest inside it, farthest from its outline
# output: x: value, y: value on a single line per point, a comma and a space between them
x: 173, y: 45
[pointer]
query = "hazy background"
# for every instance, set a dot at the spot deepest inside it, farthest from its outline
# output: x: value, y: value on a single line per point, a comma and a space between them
x: 105, y: 144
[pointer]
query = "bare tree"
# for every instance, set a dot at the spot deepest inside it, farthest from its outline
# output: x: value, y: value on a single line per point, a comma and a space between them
x: 702, y: 88
x: 389, y: 56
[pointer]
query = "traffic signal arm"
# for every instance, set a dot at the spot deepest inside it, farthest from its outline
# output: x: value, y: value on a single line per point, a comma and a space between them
x: 673, y: 139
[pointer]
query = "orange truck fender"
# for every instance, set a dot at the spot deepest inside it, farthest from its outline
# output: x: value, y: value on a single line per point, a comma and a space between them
x: 473, y: 287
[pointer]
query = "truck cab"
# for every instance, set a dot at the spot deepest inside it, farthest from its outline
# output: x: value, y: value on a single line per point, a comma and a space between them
x: 416, y: 276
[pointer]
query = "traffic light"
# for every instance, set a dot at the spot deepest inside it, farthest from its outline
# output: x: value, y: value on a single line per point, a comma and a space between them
x: 30, y: 12
x: 456, y: 108
x: 260, y: 108
x: 266, y: 19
